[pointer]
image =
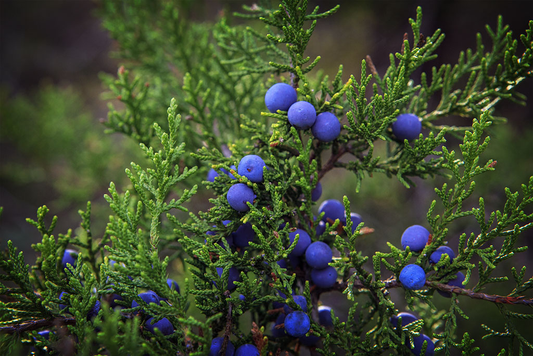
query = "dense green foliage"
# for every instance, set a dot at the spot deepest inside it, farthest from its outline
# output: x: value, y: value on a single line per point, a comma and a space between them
x: 217, y: 75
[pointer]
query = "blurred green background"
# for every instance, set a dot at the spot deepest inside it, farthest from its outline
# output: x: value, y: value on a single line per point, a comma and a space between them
x: 54, y: 151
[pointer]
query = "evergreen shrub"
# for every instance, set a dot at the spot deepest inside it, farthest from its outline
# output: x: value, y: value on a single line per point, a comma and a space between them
x: 259, y: 294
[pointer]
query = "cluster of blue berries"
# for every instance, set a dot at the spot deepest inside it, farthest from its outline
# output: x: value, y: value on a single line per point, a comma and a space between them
x: 302, y: 114
x: 164, y: 325
x: 413, y: 276
x: 240, y: 194
x: 406, y: 319
x: 243, y: 350
x: 333, y: 209
x: 297, y: 323
x: 326, y: 126
x: 318, y: 254
x: 68, y: 263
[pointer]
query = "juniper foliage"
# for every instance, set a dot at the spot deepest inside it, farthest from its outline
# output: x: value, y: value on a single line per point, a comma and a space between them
x: 217, y: 75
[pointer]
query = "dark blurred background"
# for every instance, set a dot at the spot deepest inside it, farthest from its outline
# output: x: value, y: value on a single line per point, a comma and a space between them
x: 54, y: 151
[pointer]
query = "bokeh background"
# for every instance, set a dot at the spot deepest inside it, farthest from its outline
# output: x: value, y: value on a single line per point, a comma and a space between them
x: 54, y: 152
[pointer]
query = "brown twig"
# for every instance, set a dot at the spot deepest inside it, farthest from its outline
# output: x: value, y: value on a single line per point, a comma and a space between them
x: 275, y: 311
x: 371, y: 65
x: 330, y: 164
x: 228, y: 325
x: 36, y: 324
x: 357, y: 284
x: 421, y: 40
x: 405, y: 38
x: 393, y: 283
x: 500, y: 299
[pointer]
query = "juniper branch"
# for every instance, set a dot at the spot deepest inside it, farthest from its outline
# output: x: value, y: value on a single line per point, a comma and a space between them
x: 37, y: 324
x: 393, y: 283
x: 330, y: 164
x: 499, y: 299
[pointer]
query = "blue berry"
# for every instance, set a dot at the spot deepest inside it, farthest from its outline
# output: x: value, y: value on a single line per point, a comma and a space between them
x: 70, y: 257
x: 63, y: 297
x: 294, y: 260
x: 113, y: 298
x: 277, y: 305
x: 247, y: 350
x: 238, y: 195
x: 164, y: 325
x: 229, y: 238
x: 251, y: 166
x: 147, y: 297
x: 416, y: 237
x: 278, y: 332
x: 407, y: 127
x: 327, y: 127
x: 213, y: 233
x: 280, y: 96
x: 212, y: 174
x: 45, y: 334
x: 419, y: 341
x: 356, y: 220
x: 229, y: 174
x: 172, y: 284
x: 318, y: 255
x: 234, y: 276
x: 243, y: 298
x: 324, y: 316
x: 332, y: 209
x: 297, y: 324
x: 442, y: 250
x: 303, y: 242
x: 298, y: 299
x: 407, y: 318
x: 112, y: 263
x: 316, y: 193
x: 320, y: 228
x: 93, y: 312
x: 456, y: 282
x: 302, y: 115
x: 324, y: 278
x: 244, y: 235
x: 216, y: 346
x: 282, y: 263
x: 413, y: 277
x: 310, y: 340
